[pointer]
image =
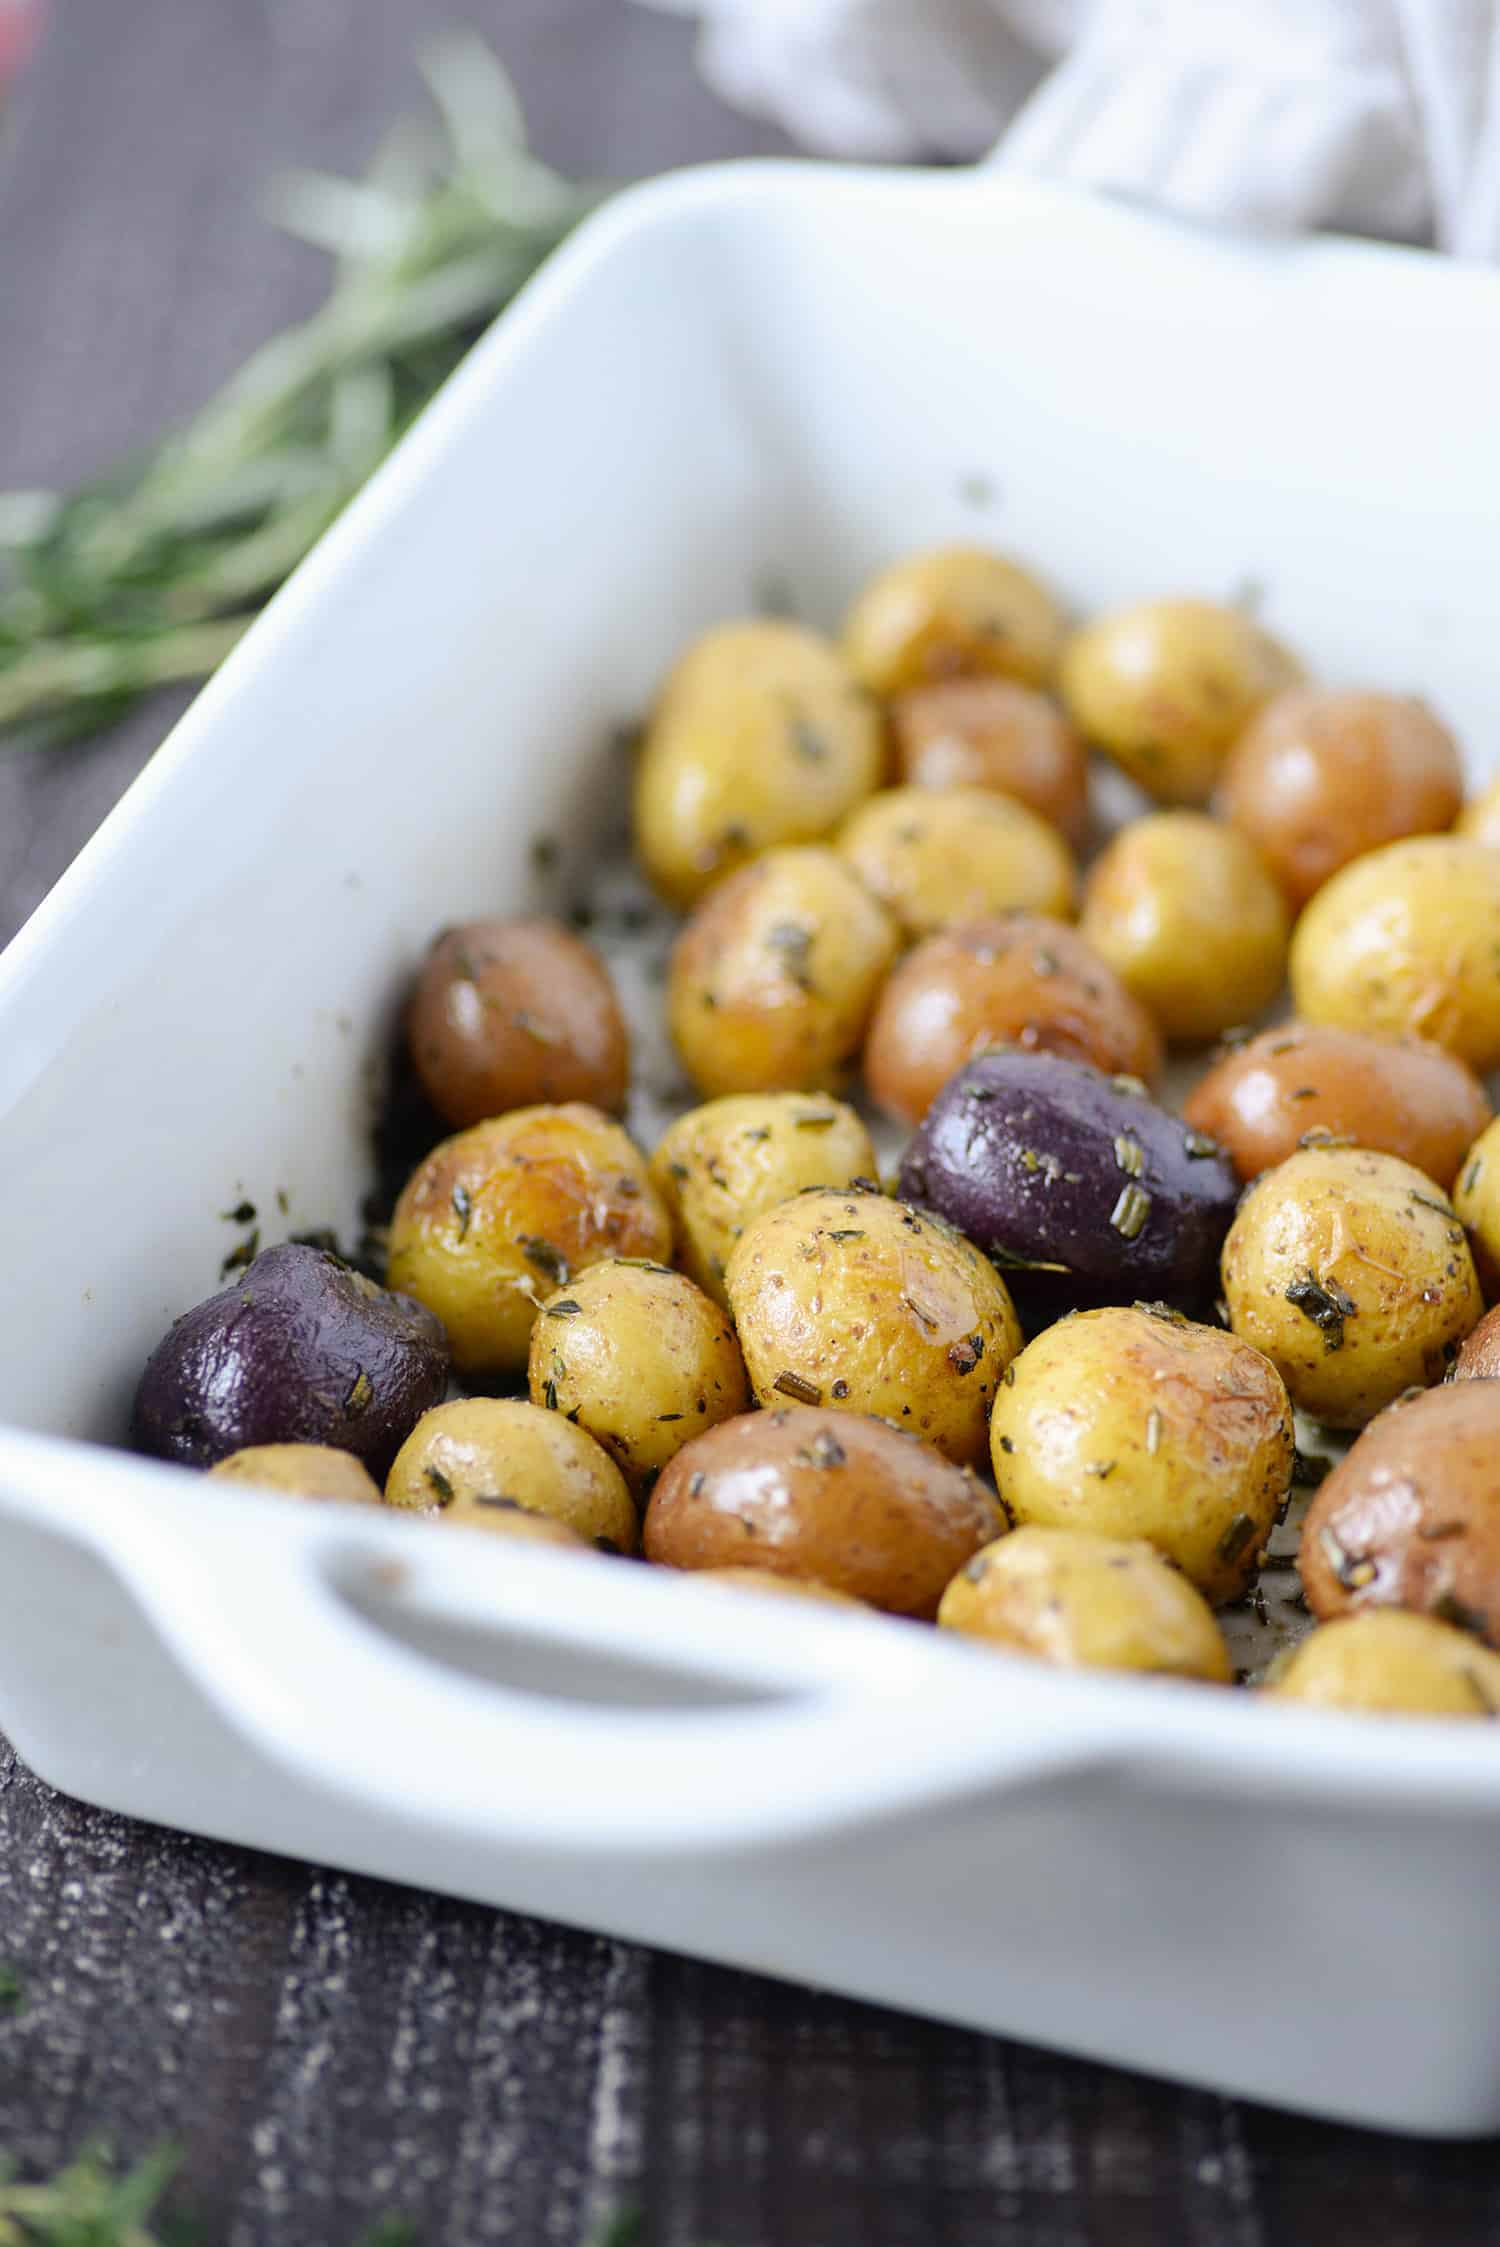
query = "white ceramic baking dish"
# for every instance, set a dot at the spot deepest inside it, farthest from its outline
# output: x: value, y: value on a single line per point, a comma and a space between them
x: 729, y: 375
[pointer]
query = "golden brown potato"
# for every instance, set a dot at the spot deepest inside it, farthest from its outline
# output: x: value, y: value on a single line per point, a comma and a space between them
x: 1479, y: 1359
x: 1351, y: 1272
x: 507, y: 1517
x: 1164, y: 688
x: 1184, y: 912
x: 938, y: 856
x: 1302, y: 1084
x: 1387, y: 1663
x: 1321, y: 776
x: 1479, y: 820
x: 499, y: 1216
x: 728, y: 1162
x: 773, y: 978
x: 1410, y: 1517
x: 475, y: 1458
x: 302, y: 1470
x: 1408, y: 939
x: 995, y: 733
x: 1087, y: 1602
x: 641, y: 1359
x: 510, y: 1014
x: 1020, y: 979
x: 830, y: 1498
x: 1138, y: 1423
x: 781, y: 1587
x: 759, y: 737
x: 1476, y: 1198
x: 951, y: 613
x: 853, y: 1300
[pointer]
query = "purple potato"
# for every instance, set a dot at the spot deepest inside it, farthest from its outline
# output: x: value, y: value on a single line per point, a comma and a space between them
x: 1081, y: 1189
x: 301, y: 1349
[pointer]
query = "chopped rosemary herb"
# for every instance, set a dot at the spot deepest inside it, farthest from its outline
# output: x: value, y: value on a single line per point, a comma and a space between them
x: 243, y: 1213
x: 361, y: 1391
x: 442, y: 1488
x: 1235, y: 1538
x: 463, y: 1208
x: 1130, y: 1155
x: 793, y: 1385
x: 1198, y: 1147
x: 793, y: 940
x: 566, y: 1309
x: 545, y: 1257
x: 1326, y: 1304
x: 1131, y: 1211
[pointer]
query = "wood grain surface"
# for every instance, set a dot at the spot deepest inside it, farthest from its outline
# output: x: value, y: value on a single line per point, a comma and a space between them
x: 330, y: 2051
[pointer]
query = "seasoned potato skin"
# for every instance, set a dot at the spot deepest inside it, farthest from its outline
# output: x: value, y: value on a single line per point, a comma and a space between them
x: 1087, y: 1602
x: 1165, y: 686
x: 830, y: 1498
x: 1388, y: 1663
x: 759, y: 737
x: 511, y: 1014
x: 302, y: 1470
x: 1410, y: 1517
x: 772, y: 980
x: 1321, y: 776
x: 1020, y: 979
x: 1479, y: 1359
x: 1479, y: 821
x: 1306, y: 1081
x: 952, y: 612
x: 1476, y: 1198
x: 1382, y: 1285
x: 500, y: 1215
x: 995, y: 733
x: 1134, y: 1423
x: 877, y: 1307
x: 1182, y: 909
x: 640, y: 1358
x: 472, y: 1459
x: 728, y: 1162
x: 940, y: 856
x: 1407, y: 939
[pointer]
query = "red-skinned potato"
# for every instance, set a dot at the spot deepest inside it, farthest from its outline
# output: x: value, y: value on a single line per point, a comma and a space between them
x: 995, y: 733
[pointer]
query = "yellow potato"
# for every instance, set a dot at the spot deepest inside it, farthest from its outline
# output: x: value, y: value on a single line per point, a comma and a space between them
x: 1385, y: 1662
x: 937, y: 856
x: 1480, y: 818
x: 302, y: 1470
x: 1351, y: 1272
x: 474, y: 1458
x: 1476, y: 1199
x: 953, y: 612
x: 1087, y: 1602
x: 760, y: 736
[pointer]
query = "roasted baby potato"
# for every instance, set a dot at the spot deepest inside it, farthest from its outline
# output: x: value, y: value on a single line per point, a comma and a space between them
x: 1137, y: 1423
x: 507, y: 1517
x: 500, y: 1216
x: 829, y: 1498
x: 507, y: 1014
x: 759, y: 737
x: 767, y: 1580
x: 995, y: 733
x: 1479, y: 1359
x: 1020, y: 980
x: 1408, y: 939
x: 1410, y: 1517
x: 1386, y: 1663
x: 474, y: 1459
x: 853, y: 1300
x: 1305, y: 1083
x: 1087, y: 1602
x: 302, y: 1470
x: 954, y: 612
x: 937, y: 856
x: 641, y: 1359
x: 728, y: 1162
x: 1078, y: 1185
x: 1165, y: 686
x: 1184, y: 912
x: 299, y: 1349
x: 1321, y: 776
x: 1476, y: 1198
x: 773, y: 978
x: 1351, y: 1272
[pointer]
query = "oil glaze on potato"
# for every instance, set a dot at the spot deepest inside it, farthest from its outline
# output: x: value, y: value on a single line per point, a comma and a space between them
x: 498, y: 1217
x: 1136, y: 1423
x: 508, y: 1014
x: 1303, y: 1082
x: 995, y: 733
x: 938, y: 856
x: 1087, y: 1602
x: 477, y: 1456
x: 301, y: 1470
x: 948, y: 613
x: 1021, y: 980
x: 1080, y: 1187
x: 299, y: 1349
x: 641, y: 1359
x: 853, y: 1300
x: 1351, y: 1272
x: 1387, y: 1663
x: 1321, y: 776
x: 1476, y: 1198
x: 731, y: 1160
x: 772, y: 980
x: 1410, y: 1517
x: 760, y: 737
x: 830, y: 1498
x: 1479, y: 1359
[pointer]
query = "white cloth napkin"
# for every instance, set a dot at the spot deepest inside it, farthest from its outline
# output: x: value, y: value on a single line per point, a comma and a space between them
x: 1378, y: 116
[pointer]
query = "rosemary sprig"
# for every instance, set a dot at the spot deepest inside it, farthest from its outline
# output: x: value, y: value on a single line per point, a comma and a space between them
x: 147, y: 577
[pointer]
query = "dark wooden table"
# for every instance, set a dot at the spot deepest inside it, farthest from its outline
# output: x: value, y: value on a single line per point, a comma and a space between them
x: 329, y: 2050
